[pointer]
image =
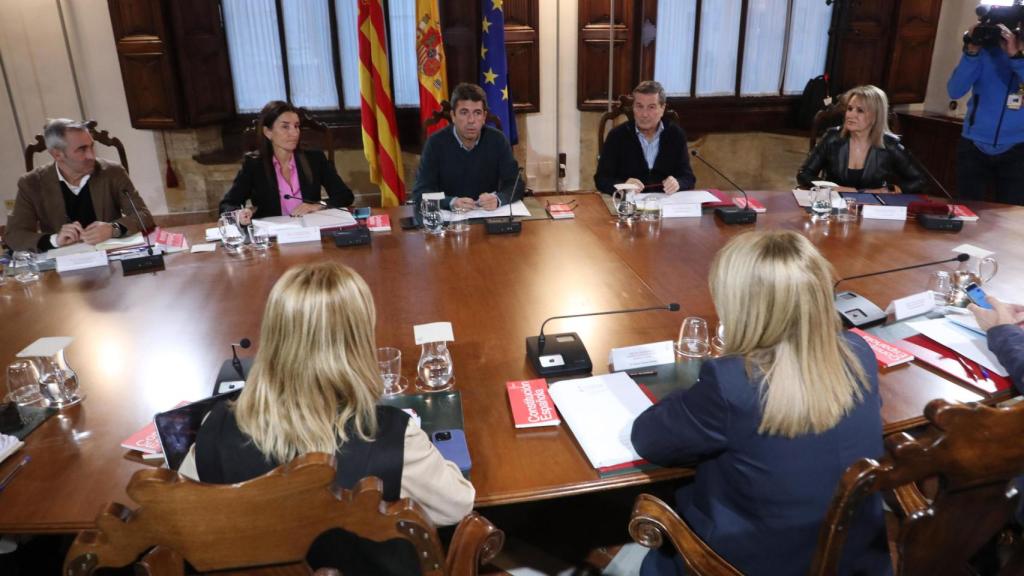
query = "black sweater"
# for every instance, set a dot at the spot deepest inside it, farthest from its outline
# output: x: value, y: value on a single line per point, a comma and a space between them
x: 883, y: 167
x: 622, y: 158
x: 489, y: 167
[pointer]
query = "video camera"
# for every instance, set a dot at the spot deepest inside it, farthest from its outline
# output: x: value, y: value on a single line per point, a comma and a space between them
x: 987, y: 33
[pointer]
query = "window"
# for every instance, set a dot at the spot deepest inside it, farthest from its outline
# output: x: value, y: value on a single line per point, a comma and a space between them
x: 307, y: 52
x: 784, y: 44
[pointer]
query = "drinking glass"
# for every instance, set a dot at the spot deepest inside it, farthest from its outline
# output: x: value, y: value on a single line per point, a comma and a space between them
x: 650, y: 209
x: 435, y: 367
x: 23, y: 382
x: 718, y: 341
x: 941, y: 285
x: 389, y: 363
x: 693, y: 338
x: 26, y: 270
x: 260, y: 237
x: 230, y: 231
x: 821, y: 203
x: 58, y: 383
x: 433, y: 220
x: 624, y: 206
x: 459, y: 221
x: 850, y: 210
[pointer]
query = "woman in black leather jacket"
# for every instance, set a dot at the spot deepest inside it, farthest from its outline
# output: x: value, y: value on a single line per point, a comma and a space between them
x: 863, y: 154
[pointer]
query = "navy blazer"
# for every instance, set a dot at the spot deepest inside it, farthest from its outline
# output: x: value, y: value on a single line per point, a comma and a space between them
x: 759, y: 500
x: 315, y: 172
x: 622, y: 158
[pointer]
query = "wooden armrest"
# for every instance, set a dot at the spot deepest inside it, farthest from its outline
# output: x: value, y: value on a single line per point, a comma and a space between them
x: 652, y: 519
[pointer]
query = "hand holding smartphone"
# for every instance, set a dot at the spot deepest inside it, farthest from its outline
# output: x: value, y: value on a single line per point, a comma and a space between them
x: 977, y: 296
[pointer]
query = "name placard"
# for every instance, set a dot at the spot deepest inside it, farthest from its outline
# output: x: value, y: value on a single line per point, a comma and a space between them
x: 81, y: 261
x: 643, y: 355
x: 433, y: 332
x: 913, y: 305
x: 297, y: 235
x: 872, y: 212
x: 680, y: 211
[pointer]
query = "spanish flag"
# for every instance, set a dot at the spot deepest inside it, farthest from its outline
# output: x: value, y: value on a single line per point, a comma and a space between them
x: 430, y: 61
x: 380, y: 131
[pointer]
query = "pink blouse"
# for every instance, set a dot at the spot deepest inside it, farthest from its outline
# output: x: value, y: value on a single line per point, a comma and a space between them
x: 289, y: 187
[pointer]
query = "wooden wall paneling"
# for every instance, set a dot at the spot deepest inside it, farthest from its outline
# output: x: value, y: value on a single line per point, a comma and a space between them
x: 914, y: 41
x: 203, y: 53
x: 864, y: 43
x: 932, y: 139
x: 147, y: 67
x: 522, y: 48
x: 460, y: 28
x: 592, y: 69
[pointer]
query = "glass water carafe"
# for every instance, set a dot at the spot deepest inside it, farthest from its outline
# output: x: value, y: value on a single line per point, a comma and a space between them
x: 435, y: 367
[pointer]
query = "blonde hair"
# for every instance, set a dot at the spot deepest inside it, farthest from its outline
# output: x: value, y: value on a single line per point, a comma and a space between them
x: 773, y: 293
x: 316, y: 368
x: 876, y: 102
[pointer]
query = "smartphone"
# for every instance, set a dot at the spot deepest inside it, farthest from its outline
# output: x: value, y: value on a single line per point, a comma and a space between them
x: 452, y: 445
x: 361, y: 213
x: 977, y: 295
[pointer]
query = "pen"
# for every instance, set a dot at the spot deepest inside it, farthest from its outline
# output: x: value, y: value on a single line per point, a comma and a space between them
x: 13, y: 472
x: 642, y: 373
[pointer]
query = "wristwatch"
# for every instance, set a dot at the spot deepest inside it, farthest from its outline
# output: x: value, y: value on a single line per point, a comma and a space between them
x: 118, y: 229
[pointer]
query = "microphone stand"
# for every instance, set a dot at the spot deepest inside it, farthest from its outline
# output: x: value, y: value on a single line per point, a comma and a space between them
x: 731, y: 214
x: 501, y: 225
x: 140, y: 264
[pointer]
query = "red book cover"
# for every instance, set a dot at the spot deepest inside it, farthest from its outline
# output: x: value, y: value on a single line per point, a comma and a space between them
x: 755, y: 205
x: 560, y: 211
x: 887, y: 354
x: 531, y: 404
x: 724, y: 200
x: 170, y: 239
x: 146, y: 439
x: 961, y: 212
x: 379, y: 223
x: 964, y: 369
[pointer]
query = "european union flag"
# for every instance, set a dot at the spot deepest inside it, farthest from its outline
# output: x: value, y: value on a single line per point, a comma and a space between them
x: 494, y: 67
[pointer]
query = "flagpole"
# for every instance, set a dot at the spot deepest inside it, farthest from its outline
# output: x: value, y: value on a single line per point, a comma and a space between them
x: 558, y: 97
x: 611, y: 57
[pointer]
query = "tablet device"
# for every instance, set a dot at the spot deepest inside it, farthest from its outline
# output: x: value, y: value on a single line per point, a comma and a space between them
x: 177, y: 428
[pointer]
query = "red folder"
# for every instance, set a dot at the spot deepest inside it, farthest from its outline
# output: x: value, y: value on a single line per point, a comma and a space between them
x: 964, y: 369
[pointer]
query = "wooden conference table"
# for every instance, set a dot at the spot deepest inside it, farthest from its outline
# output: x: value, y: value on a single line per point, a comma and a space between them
x: 144, y: 343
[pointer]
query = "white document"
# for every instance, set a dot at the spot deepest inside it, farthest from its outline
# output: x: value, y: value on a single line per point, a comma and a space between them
x: 874, y: 212
x: 275, y: 224
x: 77, y: 248
x: 680, y: 211
x: 643, y: 355
x: 913, y: 305
x: 964, y: 342
x: 207, y: 247
x: 518, y: 209
x: 975, y: 251
x: 9, y: 445
x: 689, y: 197
x: 329, y: 218
x: 966, y: 321
x: 115, y: 243
x: 81, y: 261
x: 47, y: 346
x: 433, y: 332
x: 212, y: 234
x: 297, y: 235
x: 600, y: 411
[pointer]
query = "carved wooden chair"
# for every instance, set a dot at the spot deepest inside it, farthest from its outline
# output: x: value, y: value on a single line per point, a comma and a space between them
x: 624, y: 107
x: 322, y: 133
x: 445, y: 115
x: 266, y: 523
x: 968, y: 456
x: 102, y: 136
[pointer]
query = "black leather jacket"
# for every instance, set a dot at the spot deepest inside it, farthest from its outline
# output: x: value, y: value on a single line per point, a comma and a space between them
x: 883, y: 167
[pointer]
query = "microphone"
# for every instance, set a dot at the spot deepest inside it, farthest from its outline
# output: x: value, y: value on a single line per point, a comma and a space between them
x: 858, y: 311
x: 564, y: 354
x: 501, y: 225
x: 731, y: 214
x: 139, y: 264
x: 941, y: 219
x: 244, y: 343
x: 304, y: 201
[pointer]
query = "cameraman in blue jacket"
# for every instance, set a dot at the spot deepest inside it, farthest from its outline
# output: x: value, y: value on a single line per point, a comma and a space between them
x: 991, y: 149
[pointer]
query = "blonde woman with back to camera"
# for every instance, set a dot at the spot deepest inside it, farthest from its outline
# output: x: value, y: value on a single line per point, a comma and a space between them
x: 314, y: 387
x: 773, y: 423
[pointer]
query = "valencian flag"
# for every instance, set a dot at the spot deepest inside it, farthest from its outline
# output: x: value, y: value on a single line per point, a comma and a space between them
x: 430, y: 62
x: 380, y: 133
x: 494, y: 67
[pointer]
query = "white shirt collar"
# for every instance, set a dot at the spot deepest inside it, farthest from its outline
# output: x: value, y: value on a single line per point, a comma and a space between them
x: 74, y: 189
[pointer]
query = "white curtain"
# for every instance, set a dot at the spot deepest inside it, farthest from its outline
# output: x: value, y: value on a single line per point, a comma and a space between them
x: 255, y: 52
x: 403, y: 52
x: 808, y: 44
x: 348, y: 45
x: 307, y: 34
x: 763, y: 47
x: 673, y: 50
x: 719, y: 46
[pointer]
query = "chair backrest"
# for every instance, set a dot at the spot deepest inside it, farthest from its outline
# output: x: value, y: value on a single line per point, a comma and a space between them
x: 251, y: 135
x: 975, y: 452
x: 445, y: 115
x: 624, y: 107
x: 269, y: 520
x: 101, y: 136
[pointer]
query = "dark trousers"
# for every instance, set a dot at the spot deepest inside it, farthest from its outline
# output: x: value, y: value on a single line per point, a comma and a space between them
x: 975, y: 171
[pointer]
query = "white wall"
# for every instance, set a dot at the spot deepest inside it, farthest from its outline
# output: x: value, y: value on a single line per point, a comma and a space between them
x: 39, y: 72
x: 956, y: 17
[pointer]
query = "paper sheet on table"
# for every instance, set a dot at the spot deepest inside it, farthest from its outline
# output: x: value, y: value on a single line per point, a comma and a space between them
x: 82, y: 247
x: 275, y: 224
x: 79, y: 248
x: 115, y: 243
x: 518, y: 209
x: 690, y: 197
x: 600, y: 411
x: 330, y: 218
x: 965, y: 342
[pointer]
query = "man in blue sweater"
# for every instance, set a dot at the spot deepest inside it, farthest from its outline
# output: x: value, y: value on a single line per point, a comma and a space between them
x: 991, y: 149
x: 469, y: 161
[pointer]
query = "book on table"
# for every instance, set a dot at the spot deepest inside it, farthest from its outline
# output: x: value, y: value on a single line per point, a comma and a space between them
x: 531, y: 403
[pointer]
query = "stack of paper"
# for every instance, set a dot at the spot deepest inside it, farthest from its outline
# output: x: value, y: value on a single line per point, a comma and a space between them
x: 518, y: 209
x: 965, y: 342
x: 323, y: 219
x: 9, y: 445
x: 135, y: 240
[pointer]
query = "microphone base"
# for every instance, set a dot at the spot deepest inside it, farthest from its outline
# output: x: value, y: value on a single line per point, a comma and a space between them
x: 503, y: 226
x: 562, y: 355
x: 939, y: 222
x: 736, y: 215
x: 142, y: 264
x: 355, y: 237
x: 857, y: 311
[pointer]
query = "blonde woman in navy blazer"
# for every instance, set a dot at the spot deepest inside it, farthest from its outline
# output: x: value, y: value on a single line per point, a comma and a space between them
x: 773, y: 423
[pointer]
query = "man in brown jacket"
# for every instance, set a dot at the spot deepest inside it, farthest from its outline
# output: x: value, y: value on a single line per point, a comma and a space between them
x: 78, y: 198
